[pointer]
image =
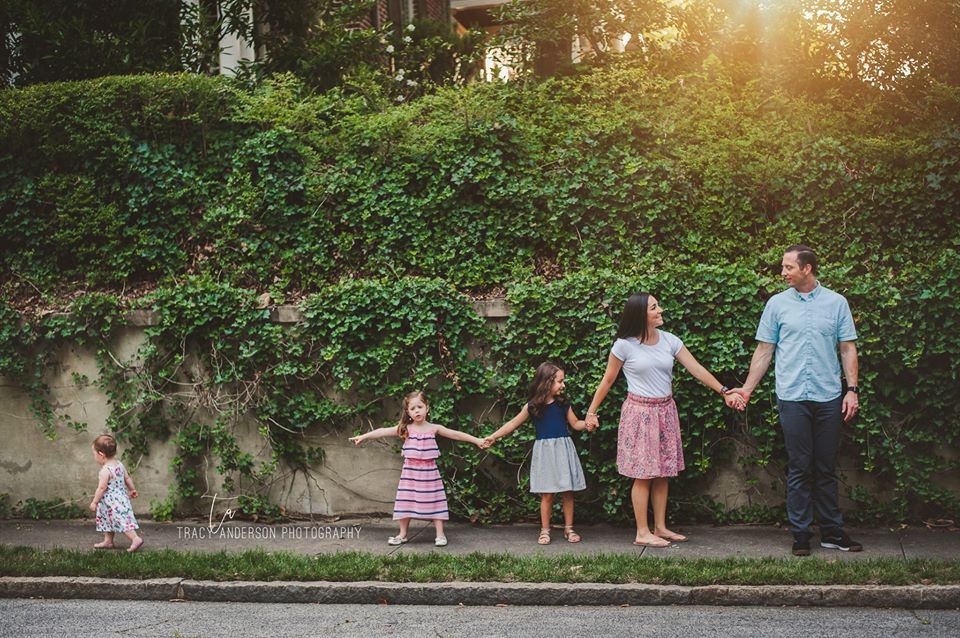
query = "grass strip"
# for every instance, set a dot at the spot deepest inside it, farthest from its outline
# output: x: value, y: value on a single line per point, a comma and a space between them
x: 261, y: 565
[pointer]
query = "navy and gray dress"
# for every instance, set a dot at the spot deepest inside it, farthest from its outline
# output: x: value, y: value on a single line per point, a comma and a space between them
x: 555, y: 466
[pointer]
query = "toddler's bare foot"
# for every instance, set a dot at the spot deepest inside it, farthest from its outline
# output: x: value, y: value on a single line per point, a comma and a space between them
x: 135, y: 545
x: 103, y: 545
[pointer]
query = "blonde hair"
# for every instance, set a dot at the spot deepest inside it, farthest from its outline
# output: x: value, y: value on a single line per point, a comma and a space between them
x: 405, y: 420
x: 106, y: 444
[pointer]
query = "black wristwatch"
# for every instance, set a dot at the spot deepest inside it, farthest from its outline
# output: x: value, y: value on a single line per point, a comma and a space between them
x: 724, y: 390
x: 853, y: 388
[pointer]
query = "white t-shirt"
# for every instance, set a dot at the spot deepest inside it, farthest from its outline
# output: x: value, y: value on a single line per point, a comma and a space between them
x: 648, y: 368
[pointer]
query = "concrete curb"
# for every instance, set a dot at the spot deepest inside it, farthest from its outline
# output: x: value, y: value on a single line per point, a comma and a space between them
x: 480, y: 594
x: 91, y: 588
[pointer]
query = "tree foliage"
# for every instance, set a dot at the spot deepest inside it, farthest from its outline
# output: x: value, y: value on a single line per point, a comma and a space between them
x: 77, y: 39
x: 813, y: 43
x: 327, y: 43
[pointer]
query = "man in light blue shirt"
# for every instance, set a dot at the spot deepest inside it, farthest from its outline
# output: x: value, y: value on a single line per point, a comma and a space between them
x: 801, y: 327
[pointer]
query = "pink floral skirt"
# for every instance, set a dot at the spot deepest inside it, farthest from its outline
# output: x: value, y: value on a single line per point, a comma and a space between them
x: 648, y: 440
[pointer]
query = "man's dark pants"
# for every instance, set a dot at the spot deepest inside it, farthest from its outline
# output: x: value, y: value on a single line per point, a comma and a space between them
x: 811, y: 431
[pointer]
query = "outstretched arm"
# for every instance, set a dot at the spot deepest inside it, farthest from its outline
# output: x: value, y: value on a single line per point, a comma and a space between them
x: 380, y: 433
x: 575, y: 423
x: 758, y: 367
x: 457, y: 435
x: 694, y: 367
x: 609, y: 377
x: 508, y: 427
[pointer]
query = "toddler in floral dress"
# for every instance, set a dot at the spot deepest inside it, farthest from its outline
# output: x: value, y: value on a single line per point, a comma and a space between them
x: 111, y: 502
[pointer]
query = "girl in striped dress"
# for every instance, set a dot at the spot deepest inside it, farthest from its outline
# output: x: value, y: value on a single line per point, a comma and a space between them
x: 420, y: 494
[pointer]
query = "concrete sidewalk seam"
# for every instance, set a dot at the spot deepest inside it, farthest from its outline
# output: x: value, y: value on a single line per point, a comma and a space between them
x: 482, y: 593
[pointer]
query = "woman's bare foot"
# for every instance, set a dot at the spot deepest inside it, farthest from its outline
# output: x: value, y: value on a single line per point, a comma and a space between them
x: 670, y: 536
x: 650, y: 540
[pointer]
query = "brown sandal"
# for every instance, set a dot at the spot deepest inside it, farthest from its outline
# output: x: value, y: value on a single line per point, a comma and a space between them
x: 570, y: 535
x: 544, y: 538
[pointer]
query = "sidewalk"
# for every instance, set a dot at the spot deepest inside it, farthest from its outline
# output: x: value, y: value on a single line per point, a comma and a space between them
x: 370, y: 535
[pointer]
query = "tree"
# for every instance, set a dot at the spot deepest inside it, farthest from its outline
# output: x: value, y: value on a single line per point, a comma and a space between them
x: 810, y: 43
x: 77, y: 39
x: 329, y: 42
x: 883, y: 43
x: 893, y: 43
x: 538, y: 33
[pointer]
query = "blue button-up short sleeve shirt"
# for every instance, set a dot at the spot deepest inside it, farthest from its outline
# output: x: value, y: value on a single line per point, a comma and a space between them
x: 806, y: 329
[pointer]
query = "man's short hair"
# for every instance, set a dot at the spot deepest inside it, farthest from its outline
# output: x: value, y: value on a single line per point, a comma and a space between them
x: 805, y: 256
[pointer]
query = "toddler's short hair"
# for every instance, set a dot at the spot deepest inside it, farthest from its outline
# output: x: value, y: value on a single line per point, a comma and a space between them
x: 105, y: 444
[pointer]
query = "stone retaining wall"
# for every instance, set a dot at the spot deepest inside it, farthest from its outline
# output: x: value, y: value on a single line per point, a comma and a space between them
x: 350, y: 480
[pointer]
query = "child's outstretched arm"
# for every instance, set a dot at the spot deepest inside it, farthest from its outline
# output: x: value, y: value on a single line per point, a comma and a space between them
x: 104, y: 480
x: 130, y: 487
x: 457, y: 435
x: 508, y: 427
x: 380, y: 433
x: 574, y: 422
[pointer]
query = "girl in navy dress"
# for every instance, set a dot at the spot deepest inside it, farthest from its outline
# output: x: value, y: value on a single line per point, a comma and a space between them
x: 554, y: 467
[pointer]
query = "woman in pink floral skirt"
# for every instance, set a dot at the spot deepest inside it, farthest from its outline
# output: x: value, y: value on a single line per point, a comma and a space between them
x: 649, y: 449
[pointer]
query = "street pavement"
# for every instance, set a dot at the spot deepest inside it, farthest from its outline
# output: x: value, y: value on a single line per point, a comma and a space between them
x: 97, y: 618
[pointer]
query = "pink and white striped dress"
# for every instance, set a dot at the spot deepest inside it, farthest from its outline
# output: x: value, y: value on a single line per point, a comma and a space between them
x: 420, y: 494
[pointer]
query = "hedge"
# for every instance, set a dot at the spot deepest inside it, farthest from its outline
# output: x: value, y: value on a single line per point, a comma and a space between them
x: 131, y: 179
x: 569, y: 194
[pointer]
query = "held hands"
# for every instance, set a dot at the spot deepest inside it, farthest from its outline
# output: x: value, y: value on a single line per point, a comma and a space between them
x: 735, y: 400
x: 740, y: 396
x: 593, y: 422
x: 487, y: 442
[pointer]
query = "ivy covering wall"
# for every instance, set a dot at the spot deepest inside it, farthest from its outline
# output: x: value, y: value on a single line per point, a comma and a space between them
x: 201, y: 196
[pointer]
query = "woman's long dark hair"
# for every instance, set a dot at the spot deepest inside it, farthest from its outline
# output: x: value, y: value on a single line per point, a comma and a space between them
x: 539, y: 393
x: 633, y: 321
